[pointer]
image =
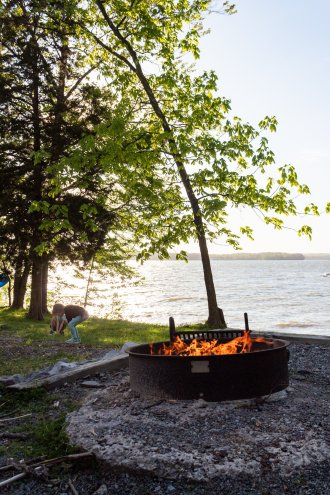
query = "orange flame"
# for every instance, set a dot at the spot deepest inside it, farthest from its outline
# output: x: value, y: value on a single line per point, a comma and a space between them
x: 239, y: 345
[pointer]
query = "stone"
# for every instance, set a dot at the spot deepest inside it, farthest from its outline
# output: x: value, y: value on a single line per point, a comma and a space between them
x: 92, y: 384
x: 170, y: 489
x: 102, y: 490
x: 127, y: 346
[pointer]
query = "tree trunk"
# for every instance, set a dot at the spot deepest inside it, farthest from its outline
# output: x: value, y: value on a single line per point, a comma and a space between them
x: 214, y: 318
x: 44, y: 285
x: 60, y: 107
x: 35, y: 310
x: 57, y: 148
x: 20, y: 282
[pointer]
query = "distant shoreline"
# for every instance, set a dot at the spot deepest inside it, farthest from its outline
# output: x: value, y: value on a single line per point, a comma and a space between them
x: 279, y: 256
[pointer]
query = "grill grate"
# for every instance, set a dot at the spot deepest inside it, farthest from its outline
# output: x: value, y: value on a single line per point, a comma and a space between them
x: 202, y: 334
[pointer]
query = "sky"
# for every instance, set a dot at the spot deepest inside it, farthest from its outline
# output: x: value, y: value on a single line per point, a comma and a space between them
x: 273, y: 58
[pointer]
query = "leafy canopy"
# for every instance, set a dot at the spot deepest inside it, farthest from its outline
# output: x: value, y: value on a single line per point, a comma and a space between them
x: 229, y: 161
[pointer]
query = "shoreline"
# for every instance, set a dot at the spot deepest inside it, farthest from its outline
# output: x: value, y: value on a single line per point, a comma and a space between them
x: 295, y: 337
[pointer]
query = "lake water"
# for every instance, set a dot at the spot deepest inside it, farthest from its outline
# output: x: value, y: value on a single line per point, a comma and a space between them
x: 285, y: 296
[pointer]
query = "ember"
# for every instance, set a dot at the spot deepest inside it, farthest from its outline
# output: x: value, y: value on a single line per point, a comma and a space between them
x: 239, y: 345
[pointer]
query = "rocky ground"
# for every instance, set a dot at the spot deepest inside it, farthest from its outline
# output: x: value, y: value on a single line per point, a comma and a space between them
x: 270, y: 448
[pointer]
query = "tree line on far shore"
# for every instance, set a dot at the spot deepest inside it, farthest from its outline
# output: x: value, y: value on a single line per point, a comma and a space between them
x: 257, y: 256
x: 247, y: 256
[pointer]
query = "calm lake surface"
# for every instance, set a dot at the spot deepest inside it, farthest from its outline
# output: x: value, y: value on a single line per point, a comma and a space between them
x: 285, y: 296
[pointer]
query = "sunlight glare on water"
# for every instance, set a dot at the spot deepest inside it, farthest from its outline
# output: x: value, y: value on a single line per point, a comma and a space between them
x: 286, y: 296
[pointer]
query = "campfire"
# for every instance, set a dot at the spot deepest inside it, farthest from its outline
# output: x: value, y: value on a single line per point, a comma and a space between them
x: 197, y: 347
x: 214, y: 365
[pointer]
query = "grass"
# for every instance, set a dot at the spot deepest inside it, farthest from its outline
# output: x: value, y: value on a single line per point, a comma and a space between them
x: 95, y: 332
x: 44, y: 427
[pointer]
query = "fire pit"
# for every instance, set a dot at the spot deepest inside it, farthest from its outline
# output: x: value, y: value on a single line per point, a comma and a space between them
x: 215, y: 369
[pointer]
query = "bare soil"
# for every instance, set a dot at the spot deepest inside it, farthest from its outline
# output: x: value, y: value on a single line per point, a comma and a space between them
x: 13, y: 348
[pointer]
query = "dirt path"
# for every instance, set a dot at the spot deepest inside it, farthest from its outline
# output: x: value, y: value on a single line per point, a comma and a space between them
x: 15, y: 348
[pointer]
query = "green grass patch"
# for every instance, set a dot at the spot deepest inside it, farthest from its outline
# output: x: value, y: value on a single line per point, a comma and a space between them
x: 95, y: 332
x: 50, y: 439
x: 98, y: 332
x: 23, y: 401
x: 16, y: 321
x: 44, y: 427
x: 114, y: 333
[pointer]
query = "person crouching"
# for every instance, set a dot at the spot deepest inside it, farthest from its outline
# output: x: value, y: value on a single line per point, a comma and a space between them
x: 74, y: 315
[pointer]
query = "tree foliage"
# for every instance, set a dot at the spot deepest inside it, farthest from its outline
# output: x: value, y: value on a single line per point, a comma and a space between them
x: 214, y: 160
x: 229, y: 161
x: 47, y: 106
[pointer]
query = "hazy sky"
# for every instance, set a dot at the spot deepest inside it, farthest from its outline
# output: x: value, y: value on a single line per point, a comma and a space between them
x: 273, y: 58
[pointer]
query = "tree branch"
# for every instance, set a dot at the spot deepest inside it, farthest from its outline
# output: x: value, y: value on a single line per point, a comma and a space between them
x: 79, y: 80
x: 108, y: 49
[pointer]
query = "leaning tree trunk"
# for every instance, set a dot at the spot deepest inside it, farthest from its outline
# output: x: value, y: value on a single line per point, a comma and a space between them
x: 214, y: 318
x: 20, y: 282
x: 89, y: 281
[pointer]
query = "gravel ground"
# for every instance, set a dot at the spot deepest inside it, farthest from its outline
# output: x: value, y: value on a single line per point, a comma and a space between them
x: 309, y: 381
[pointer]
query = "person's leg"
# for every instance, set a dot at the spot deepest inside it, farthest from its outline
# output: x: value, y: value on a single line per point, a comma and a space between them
x: 62, y: 324
x: 73, y: 329
x: 52, y: 325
